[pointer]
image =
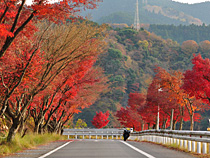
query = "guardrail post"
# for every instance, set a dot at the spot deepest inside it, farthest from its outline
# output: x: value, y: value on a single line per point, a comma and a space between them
x: 170, y: 141
x: 107, y: 136
x: 209, y: 148
x: 189, y: 146
x: 83, y: 136
x: 174, y: 140
x: 185, y: 144
x: 112, y: 135
x: 68, y: 136
x: 165, y: 140
x: 181, y: 143
x: 177, y: 142
x: 193, y: 146
x: 204, y: 148
x: 199, y: 147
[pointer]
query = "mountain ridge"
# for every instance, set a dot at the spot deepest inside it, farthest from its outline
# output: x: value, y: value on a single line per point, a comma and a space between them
x: 187, y: 13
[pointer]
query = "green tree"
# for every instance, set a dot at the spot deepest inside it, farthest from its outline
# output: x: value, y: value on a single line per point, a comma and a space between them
x: 80, y: 124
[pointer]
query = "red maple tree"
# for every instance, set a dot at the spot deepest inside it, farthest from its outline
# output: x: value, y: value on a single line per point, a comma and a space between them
x: 100, y: 120
x: 130, y: 116
x: 18, y: 18
x: 197, y: 80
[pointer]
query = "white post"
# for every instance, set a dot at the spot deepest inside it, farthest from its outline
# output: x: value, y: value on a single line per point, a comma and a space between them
x: 189, y: 146
x: 158, y: 113
x: 193, y: 146
x: 171, y: 140
x: 181, y: 143
x: 185, y: 144
x: 158, y: 118
x: 68, y: 136
x: 174, y: 140
x: 204, y: 148
x: 199, y: 147
x: 177, y: 142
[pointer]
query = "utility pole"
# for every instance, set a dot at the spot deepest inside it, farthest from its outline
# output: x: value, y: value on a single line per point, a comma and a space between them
x: 136, y: 19
x: 158, y: 112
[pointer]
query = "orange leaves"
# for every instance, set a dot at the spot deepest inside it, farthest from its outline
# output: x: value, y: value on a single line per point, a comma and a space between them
x: 189, y: 47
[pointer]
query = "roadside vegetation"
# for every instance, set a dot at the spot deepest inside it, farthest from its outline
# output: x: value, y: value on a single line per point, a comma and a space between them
x: 27, y: 142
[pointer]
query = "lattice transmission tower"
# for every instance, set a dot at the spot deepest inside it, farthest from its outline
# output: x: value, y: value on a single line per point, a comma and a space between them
x: 136, y: 19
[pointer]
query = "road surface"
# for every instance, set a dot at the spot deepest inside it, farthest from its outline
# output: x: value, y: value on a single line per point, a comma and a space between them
x: 107, y: 149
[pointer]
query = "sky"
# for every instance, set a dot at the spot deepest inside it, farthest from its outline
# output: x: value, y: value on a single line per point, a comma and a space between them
x: 191, y: 1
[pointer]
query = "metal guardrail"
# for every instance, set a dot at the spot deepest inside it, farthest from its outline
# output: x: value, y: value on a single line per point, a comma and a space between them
x: 201, y: 136
x: 196, y: 141
x: 113, y: 132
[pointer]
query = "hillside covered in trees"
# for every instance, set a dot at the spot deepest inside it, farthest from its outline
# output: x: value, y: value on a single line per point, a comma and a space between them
x: 129, y: 63
x: 182, y: 33
x: 151, y: 12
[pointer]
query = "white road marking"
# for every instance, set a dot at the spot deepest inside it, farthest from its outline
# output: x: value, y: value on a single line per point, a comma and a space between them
x: 49, y: 153
x: 138, y: 150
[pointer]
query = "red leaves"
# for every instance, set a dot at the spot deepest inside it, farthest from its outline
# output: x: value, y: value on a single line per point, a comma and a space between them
x: 18, y: 19
x: 197, y: 80
x: 130, y: 116
x: 100, y: 119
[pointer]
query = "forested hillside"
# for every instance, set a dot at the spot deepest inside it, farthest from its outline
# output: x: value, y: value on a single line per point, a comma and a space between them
x: 151, y: 12
x: 129, y: 63
x: 182, y: 33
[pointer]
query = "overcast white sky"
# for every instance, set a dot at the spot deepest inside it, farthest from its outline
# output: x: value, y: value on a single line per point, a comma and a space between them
x: 191, y: 1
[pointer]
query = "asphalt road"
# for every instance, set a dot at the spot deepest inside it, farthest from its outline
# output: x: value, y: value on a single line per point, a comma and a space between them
x: 113, y: 149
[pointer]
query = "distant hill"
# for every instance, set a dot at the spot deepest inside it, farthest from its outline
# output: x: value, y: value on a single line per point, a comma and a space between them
x: 151, y: 12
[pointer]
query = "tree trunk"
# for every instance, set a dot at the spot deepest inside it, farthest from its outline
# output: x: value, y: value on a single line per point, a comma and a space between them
x: 36, y: 127
x: 13, y: 129
x: 21, y: 127
x: 172, y: 117
x: 148, y: 125
x: 174, y: 125
x: 164, y: 123
x: 142, y: 126
x: 191, y: 122
x: 181, y: 124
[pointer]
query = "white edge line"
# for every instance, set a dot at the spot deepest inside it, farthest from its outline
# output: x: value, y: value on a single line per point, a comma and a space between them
x: 49, y: 153
x: 138, y: 150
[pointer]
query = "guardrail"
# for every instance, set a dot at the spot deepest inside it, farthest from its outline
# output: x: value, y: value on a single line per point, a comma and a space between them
x: 195, y: 141
x: 108, y: 133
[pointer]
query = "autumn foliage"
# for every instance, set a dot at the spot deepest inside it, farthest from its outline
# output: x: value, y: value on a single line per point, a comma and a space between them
x: 51, y: 76
x: 100, y: 120
x: 169, y: 96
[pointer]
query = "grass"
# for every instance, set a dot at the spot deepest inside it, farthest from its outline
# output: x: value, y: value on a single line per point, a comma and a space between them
x: 27, y: 142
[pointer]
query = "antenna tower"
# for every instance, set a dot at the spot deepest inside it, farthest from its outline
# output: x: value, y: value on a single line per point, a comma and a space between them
x: 136, y: 20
